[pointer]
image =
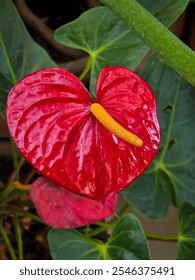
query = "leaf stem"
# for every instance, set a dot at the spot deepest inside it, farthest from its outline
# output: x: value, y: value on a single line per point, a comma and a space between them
x: 123, y: 210
x: 102, y: 226
x: 29, y: 215
x: 7, y: 241
x: 161, y: 237
x: 97, y: 230
x: 18, y: 237
x: 18, y: 211
x: 170, y: 49
x: 86, y: 69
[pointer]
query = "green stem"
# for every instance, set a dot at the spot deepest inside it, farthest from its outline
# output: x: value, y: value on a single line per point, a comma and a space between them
x: 7, y: 241
x: 102, y: 226
x: 86, y: 69
x: 17, y: 211
x: 9, y: 196
x: 18, y: 237
x: 29, y: 215
x: 169, y: 48
x: 161, y: 237
x: 123, y: 210
x: 97, y: 230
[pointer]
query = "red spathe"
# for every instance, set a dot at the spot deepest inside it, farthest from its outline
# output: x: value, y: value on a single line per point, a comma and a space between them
x: 63, y: 209
x: 48, y: 114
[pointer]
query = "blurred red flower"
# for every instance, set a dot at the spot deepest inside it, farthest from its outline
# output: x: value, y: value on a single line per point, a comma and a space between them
x: 63, y: 209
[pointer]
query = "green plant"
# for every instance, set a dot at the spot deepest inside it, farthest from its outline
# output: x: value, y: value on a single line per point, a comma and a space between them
x: 124, y: 38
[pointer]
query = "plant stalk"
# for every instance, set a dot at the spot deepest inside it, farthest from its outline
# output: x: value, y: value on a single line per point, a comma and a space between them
x: 86, y: 69
x: 172, y: 51
x: 160, y: 237
x: 102, y: 226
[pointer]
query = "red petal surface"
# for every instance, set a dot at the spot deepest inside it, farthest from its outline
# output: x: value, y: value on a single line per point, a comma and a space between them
x: 48, y: 114
x: 130, y: 101
x: 63, y: 209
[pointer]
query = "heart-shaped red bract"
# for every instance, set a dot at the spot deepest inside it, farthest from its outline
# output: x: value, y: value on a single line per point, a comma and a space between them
x: 49, y: 117
x: 63, y: 209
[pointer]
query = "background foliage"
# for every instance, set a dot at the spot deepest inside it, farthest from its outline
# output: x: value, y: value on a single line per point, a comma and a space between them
x: 169, y: 180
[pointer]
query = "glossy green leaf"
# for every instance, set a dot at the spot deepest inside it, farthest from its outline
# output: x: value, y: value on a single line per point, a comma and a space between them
x: 172, y: 171
x: 186, y: 244
x: 127, y: 242
x: 165, y: 11
x: 149, y: 194
x: 71, y: 245
x: 19, y: 54
x: 108, y: 40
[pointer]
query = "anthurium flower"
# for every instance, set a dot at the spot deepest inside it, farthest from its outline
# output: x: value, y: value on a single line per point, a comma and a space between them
x: 94, y: 148
x: 63, y: 209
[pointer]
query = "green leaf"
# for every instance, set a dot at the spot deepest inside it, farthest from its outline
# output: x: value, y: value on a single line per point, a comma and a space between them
x: 108, y: 40
x: 149, y: 194
x: 186, y: 244
x: 172, y: 171
x: 165, y: 11
x: 71, y: 245
x: 19, y: 54
x: 127, y: 242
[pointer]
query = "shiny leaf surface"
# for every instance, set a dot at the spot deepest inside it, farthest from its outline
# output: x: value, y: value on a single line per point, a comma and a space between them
x: 171, y: 176
x: 72, y: 245
x: 110, y: 42
x: 186, y: 234
x: 63, y: 209
x: 19, y: 54
x: 127, y: 242
x: 55, y: 131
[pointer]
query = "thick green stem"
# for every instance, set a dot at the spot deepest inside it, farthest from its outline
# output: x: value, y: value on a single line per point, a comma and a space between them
x: 169, y: 48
